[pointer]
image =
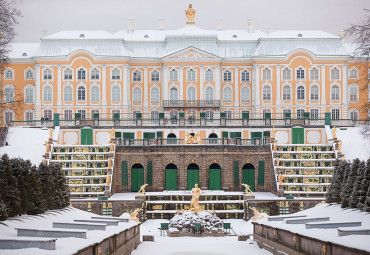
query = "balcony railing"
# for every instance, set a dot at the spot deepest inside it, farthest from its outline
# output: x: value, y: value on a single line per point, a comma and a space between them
x: 192, y: 103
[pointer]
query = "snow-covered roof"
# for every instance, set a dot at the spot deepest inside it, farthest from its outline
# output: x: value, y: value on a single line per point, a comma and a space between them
x: 23, y: 50
x: 160, y: 43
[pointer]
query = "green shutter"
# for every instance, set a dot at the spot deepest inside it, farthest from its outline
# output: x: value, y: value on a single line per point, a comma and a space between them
x: 202, y: 114
x: 96, y: 115
x: 235, y: 134
x: 261, y: 173
x: 225, y: 134
x: 116, y: 116
x: 181, y: 115
x: 266, y: 133
x: 149, y: 173
x: 56, y: 119
x: 161, y: 115
x: 124, y: 173
x: 236, y: 173
x: 118, y: 134
x: 245, y: 115
x: 328, y: 118
x: 298, y: 135
x: 86, y: 136
x: 159, y: 134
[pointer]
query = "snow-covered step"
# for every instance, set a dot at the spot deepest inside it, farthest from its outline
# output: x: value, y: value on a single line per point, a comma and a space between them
x: 216, y: 211
x: 353, y: 231
x: 106, y: 222
x: 109, y: 218
x: 306, y: 220
x: 281, y: 218
x: 72, y: 225
x: 50, y: 233
x: 200, y: 202
x: 24, y: 243
x: 333, y: 224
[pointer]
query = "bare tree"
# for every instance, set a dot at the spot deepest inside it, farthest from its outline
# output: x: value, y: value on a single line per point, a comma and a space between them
x: 360, y: 36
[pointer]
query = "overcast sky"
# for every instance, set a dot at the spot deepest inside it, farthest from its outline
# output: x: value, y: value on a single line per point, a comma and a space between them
x: 56, y: 15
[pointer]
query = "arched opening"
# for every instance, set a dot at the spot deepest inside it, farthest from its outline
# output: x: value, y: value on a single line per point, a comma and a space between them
x: 171, y: 177
x: 192, y: 175
x: 171, y: 138
x: 137, y: 177
x: 212, y: 138
x: 249, y: 175
x: 215, y: 177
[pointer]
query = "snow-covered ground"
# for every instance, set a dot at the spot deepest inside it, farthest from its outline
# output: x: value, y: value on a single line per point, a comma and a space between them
x: 336, y: 214
x: 27, y: 143
x: 63, y: 246
x: 165, y: 245
x: 353, y: 143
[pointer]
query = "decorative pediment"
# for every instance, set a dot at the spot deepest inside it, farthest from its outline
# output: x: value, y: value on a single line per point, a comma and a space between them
x: 191, y: 53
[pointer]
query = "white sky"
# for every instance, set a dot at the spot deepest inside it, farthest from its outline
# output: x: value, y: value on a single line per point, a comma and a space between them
x: 56, y: 15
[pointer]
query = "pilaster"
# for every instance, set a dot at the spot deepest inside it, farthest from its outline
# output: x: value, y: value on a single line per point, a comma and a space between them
x: 164, y: 83
x: 201, y: 81
x: 126, y: 87
x: 59, y: 91
x: 218, y: 82
x: 181, y: 77
x: 104, y: 85
x: 236, y: 80
x: 323, y: 87
x: 145, y: 87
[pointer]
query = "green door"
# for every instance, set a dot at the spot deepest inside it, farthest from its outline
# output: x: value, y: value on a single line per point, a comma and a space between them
x: 248, y: 178
x: 215, y: 179
x: 171, y: 179
x: 193, y: 178
x: 86, y: 136
x: 149, y: 135
x: 298, y: 135
x: 137, y: 178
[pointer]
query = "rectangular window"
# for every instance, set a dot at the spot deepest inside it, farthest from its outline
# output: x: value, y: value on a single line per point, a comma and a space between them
x: 29, y: 95
x: 229, y: 114
x: 83, y: 113
x: 300, y: 74
x: 68, y: 74
x: 335, y: 114
x: 116, y: 75
x: 29, y: 75
x: 155, y: 76
x: 136, y: 76
x: 353, y: 94
x: 300, y: 113
x: 48, y: 114
x: 314, y: 114
x: 314, y: 74
x: 29, y: 116
x: 227, y: 76
x: 93, y: 112
x: 266, y: 74
x: 354, y: 115
x: 191, y: 75
x: 209, y: 116
x: 209, y: 75
x: 287, y: 111
x: 9, y: 116
x: 95, y: 74
x: 173, y: 75
x: 287, y: 74
x: 48, y: 74
x: 245, y: 76
x: 81, y: 74
x: 68, y: 114
x: 154, y: 117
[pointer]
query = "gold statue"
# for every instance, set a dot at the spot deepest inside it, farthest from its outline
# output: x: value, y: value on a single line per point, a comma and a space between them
x: 321, y: 203
x: 190, y: 15
x: 247, y: 189
x: 334, y: 132
x: 111, y: 147
x: 47, y: 147
x: 50, y: 133
x: 110, y: 162
x: 277, y: 161
x: 112, y: 133
x: 134, y: 214
x: 192, y: 139
x: 340, y: 145
x: 257, y: 215
x: 275, y: 146
x: 108, y: 180
x: 281, y: 178
x: 273, y: 132
x: 142, y: 190
x: 195, y: 195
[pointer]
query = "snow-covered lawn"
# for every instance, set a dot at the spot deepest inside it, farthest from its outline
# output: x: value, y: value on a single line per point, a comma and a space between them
x: 165, y: 245
x: 354, y: 145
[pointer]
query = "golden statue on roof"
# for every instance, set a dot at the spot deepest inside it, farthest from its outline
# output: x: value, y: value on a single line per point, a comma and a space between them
x: 190, y: 15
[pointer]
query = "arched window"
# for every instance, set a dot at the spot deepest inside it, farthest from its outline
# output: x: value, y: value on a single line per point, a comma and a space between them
x: 95, y: 74
x: 286, y: 93
x: 116, y: 94
x: 227, y: 75
x: 192, y: 93
x: 266, y: 74
x: 137, y: 76
x: 314, y: 74
x: 28, y: 97
x: 334, y: 73
x: 287, y: 74
x: 9, y: 74
x: 353, y: 73
x: 300, y: 93
x: 48, y: 74
x: 174, y: 95
x: 9, y: 116
x: 335, y: 92
x: 209, y: 75
x: 48, y: 94
x: 353, y: 94
x: 354, y: 114
x: 9, y: 94
x: 68, y: 74
x: 314, y: 92
x: 191, y: 75
x: 155, y: 76
x: 81, y: 93
x: 300, y: 74
x: 68, y: 94
x: 136, y: 95
x: 266, y: 93
x: 245, y: 76
x: 29, y: 74
x: 209, y: 93
x: 173, y: 75
x: 245, y: 94
x: 154, y: 97
x: 81, y: 74
x: 95, y: 95
x: 116, y: 74
x: 227, y: 94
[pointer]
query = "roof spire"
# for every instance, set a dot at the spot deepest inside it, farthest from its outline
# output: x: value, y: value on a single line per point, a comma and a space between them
x: 190, y: 15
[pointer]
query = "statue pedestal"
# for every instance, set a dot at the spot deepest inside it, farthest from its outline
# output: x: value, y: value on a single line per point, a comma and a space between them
x: 249, y: 196
x: 280, y: 193
x: 140, y: 197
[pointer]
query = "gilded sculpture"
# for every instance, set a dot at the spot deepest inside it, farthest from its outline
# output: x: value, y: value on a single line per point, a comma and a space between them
x: 108, y: 180
x: 142, y: 190
x: 112, y: 133
x: 334, y: 132
x: 273, y: 132
x: 257, y: 215
x: 340, y: 145
x: 195, y: 195
x: 134, y: 214
x: 192, y: 139
x: 247, y: 190
x: 50, y: 133
x: 190, y: 15
x: 281, y: 178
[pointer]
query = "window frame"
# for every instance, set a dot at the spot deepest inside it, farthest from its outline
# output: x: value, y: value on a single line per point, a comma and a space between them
x: 69, y: 76
x: 314, y: 114
x: 354, y: 98
x: 26, y: 72
x: 81, y: 74
x: 227, y: 94
x: 114, y: 72
x: 66, y: 96
x: 351, y: 71
x: 312, y: 74
x: 300, y: 93
x: 95, y: 74
x: 266, y: 97
x: 266, y: 74
x: 173, y: 88
x: 245, y: 76
x: 207, y: 95
x: 154, y: 76
x: 189, y: 94
x: 155, y: 96
x: 284, y: 76
x: 81, y: 93
x: 300, y: 73
x: 245, y: 98
x: 335, y: 96
x: 136, y: 95
x: 174, y: 75
x: 95, y: 93
x: 285, y: 96
x: 47, y: 98
x: 47, y: 74
x: 312, y: 95
x: 227, y: 76
x: 191, y: 75
x: 334, y: 115
x: 26, y: 94
x: 136, y: 76
x: 208, y: 75
x: 116, y: 97
x: 7, y: 71
x: 332, y: 75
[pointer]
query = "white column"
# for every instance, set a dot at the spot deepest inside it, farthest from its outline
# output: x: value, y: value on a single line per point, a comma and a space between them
x: 164, y: 83
x: 323, y: 87
x: 37, y: 92
x: 181, y: 77
x: 345, y: 92
x: 256, y: 89
x: 218, y: 82
x: 104, y: 84
x: 126, y: 87
x: 201, y: 80
x: 236, y: 79
x: 145, y: 87
x: 59, y: 91
x: 278, y: 100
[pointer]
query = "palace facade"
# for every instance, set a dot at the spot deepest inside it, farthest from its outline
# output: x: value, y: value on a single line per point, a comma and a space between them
x: 188, y: 71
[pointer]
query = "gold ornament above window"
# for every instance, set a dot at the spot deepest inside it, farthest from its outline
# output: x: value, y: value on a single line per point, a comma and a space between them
x: 190, y: 15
